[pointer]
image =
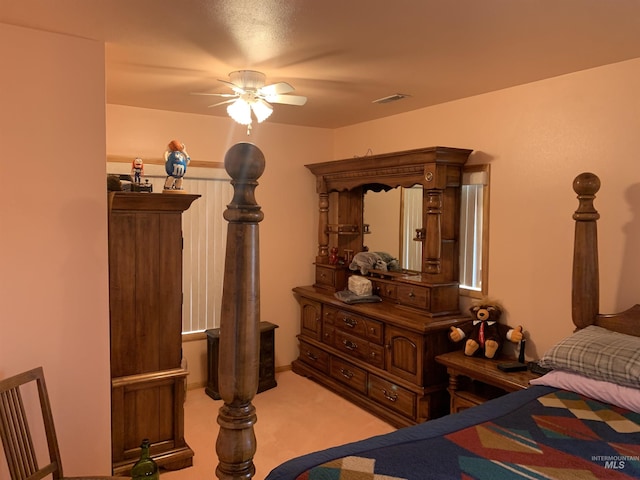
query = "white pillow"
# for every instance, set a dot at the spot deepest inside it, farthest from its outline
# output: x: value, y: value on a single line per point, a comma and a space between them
x: 608, y: 392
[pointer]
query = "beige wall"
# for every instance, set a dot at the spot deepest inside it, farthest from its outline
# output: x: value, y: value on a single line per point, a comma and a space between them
x: 53, y: 240
x: 537, y: 138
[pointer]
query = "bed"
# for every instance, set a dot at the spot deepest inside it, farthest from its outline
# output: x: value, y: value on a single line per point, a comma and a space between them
x: 581, y: 420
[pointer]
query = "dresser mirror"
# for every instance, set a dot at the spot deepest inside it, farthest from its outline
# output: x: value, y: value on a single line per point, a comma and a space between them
x: 390, y: 221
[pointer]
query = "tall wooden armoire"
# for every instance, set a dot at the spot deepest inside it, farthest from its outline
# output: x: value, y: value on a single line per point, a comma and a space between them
x: 145, y: 298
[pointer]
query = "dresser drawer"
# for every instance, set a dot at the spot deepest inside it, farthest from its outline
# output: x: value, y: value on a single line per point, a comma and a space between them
x: 313, y: 356
x: 328, y: 319
x: 329, y: 314
x: 359, y: 348
x: 349, y: 374
x: 351, y: 345
x: 360, y: 326
x: 414, y: 296
x: 392, y: 396
x: 331, y: 277
x: 329, y: 335
x: 376, y: 355
x: 385, y: 290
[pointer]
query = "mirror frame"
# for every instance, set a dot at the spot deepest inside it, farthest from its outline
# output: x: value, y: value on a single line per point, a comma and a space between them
x: 437, y: 169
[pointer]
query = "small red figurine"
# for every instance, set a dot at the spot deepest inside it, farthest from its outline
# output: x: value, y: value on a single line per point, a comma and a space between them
x: 333, y: 256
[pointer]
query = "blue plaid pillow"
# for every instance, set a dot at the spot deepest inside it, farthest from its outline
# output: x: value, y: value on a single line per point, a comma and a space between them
x: 598, y: 353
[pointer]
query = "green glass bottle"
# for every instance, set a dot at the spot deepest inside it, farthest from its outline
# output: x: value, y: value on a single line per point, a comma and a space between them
x: 145, y: 468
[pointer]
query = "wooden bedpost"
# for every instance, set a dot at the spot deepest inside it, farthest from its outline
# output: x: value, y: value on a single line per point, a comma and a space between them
x: 585, y: 294
x: 238, y: 360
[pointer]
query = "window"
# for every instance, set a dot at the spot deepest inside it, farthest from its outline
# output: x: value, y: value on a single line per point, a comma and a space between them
x: 474, y: 231
x: 204, y: 232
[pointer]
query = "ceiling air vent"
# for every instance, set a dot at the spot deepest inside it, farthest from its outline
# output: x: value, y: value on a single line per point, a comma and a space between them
x: 391, y: 98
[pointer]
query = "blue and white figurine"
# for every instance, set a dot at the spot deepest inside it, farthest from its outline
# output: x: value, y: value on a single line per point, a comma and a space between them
x: 176, y: 160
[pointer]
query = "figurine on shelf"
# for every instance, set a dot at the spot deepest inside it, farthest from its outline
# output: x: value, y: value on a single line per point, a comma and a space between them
x: 176, y: 161
x: 333, y: 256
x: 137, y: 170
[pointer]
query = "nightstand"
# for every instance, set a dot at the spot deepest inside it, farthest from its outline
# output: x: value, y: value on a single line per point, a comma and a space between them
x: 474, y: 380
x: 267, y: 369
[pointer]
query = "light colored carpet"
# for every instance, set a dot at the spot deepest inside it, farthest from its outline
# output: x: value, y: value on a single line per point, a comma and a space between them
x: 294, y: 418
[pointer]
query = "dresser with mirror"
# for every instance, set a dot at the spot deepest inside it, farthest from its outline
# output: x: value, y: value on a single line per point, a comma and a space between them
x: 381, y: 355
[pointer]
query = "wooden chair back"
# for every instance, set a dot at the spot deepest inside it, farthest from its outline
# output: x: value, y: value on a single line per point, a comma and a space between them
x: 16, y: 433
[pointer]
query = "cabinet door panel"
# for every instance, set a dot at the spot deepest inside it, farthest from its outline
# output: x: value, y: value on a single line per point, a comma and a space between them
x: 145, y: 262
x: 310, y: 324
x: 404, y: 354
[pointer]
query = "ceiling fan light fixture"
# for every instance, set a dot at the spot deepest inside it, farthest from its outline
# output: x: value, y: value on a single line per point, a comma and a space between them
x: 261, y: 109
x: 240, y: 111
x: 252, y: 95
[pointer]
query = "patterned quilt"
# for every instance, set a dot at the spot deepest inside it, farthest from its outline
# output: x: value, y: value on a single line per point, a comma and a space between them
x: 554, y: 435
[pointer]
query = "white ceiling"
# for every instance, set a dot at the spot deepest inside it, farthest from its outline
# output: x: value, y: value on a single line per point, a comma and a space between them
x: 341, y: 54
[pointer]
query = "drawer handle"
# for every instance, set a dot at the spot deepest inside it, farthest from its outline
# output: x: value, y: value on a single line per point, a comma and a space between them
x: 311, y: 356
x: 350, y: 322
x: 323, y: 275
x: 392, y: 397
x: 411, y: 294
x: 349, y: 344
x: 346, y: 374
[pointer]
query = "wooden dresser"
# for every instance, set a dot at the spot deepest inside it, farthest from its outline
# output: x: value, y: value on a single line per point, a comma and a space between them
x: 145, y: 298
x: 381, y: 356
x: 376, y: 355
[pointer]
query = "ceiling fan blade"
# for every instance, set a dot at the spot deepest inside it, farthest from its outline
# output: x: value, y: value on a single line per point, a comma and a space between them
x: 276, y: 89
x: 233, y: 86
x: 221, y: 103
x: 286, y: 99
x: 226, y: 95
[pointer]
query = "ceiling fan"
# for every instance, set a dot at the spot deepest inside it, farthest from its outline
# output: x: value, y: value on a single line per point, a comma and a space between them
x: 250, y: 94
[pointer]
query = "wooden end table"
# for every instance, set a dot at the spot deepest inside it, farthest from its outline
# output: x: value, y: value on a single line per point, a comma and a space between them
x: 474, y: 380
